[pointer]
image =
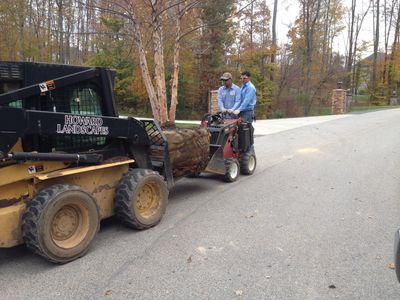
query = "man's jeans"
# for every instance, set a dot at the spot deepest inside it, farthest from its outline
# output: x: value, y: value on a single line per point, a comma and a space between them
x: 229, y: 116
x: 248, y: 116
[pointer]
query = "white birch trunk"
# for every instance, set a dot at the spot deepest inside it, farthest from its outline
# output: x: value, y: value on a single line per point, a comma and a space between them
x: 175, y: 74
x: 160, y: 72
x: 145, y: 72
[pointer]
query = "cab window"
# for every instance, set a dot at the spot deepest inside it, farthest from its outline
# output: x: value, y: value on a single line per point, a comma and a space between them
x: 85, y: 101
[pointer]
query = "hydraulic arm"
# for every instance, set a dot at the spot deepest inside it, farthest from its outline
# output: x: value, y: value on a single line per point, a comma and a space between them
x: 15, y: 123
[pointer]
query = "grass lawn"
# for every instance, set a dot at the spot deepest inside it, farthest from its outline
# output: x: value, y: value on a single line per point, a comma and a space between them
x: 321, y: 111
x: 361, y: 98
x: 359, y: 108
x: 368, y: 108
x: 187, y: 125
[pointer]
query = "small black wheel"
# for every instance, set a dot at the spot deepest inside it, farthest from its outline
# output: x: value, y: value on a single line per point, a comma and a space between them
x: 60, y: 223
x: 194, y: 175
x: 217, y: 118
x: 232, y: 169
x: 248, y: 163
x: 141, y: 198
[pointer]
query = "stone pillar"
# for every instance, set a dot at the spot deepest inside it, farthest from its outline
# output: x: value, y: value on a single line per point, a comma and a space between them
x: 338, y: 101
x: 393, y: 98
x: 349, y: 100
x: 213, y: 102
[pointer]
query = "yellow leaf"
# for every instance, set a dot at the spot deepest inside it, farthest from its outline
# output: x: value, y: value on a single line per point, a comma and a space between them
x: 238, y: 292
x: 392, y: 266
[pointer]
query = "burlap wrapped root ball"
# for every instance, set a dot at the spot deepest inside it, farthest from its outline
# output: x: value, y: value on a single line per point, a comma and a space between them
x: 189, y: 150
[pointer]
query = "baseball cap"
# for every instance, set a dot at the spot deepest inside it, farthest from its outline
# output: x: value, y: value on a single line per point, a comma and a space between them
x: 226, y: 76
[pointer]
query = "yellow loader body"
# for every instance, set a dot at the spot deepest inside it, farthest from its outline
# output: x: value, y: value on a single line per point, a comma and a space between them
x: 20, y: 182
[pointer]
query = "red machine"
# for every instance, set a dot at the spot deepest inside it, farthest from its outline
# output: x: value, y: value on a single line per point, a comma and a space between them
x: 231, y: 146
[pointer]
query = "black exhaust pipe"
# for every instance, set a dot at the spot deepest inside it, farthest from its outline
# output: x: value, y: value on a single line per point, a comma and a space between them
x: 87, y: 158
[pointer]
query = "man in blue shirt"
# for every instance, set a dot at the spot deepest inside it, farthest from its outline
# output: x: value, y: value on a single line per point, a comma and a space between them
x: 228, y: 95
x: 247, y: 99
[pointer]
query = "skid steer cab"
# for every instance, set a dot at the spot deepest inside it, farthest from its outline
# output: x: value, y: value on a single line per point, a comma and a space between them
x: 231, y: 146
x: 68, y: 161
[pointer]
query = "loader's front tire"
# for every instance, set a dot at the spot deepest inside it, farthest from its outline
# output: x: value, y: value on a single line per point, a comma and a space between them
x: 248, y: 163
x: 141, y: 198
x: 232, y: 169
x: 60, y: 223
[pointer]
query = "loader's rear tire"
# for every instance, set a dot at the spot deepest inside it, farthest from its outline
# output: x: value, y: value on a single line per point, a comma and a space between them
x: 60, y: 223
x: 232, y: 169
x: 141, y: 198
x: 248, y: 163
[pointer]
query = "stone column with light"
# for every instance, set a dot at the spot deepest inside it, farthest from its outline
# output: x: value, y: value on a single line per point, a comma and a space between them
x: 339, y: 100
x: 213, y: 104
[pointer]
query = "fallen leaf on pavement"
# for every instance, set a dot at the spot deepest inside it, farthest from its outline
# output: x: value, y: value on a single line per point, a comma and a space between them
x: 189, y: 260
x: 108, y: 293
x: 201, y: 250
x: 392, y: 266
x: 239, y: 292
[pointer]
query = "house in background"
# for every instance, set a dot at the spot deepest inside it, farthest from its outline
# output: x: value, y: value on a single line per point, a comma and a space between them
x: 364, y: 72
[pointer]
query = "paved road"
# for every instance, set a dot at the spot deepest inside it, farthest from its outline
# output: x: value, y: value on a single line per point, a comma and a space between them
x: 264, y: 127
x: 316, y: 221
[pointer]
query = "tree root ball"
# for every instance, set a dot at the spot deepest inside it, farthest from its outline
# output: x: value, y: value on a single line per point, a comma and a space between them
x: 189, y: 150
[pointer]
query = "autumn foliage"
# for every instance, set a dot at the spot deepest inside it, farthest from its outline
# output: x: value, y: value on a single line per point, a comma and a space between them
x: 168, y: 54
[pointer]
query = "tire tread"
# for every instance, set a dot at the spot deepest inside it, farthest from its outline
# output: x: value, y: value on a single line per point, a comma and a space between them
x: 123, y: 200
x: 31, y: 218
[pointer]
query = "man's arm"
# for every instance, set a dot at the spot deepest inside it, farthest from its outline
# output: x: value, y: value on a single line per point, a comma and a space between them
x: 220, y: 101
x: 237, y: 99
x: 250, y: 94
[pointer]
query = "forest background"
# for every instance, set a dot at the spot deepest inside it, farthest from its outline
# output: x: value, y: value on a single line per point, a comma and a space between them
x: 188, y: 44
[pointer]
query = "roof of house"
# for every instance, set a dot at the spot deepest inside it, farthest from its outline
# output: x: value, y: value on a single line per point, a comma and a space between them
x: 380, y: 57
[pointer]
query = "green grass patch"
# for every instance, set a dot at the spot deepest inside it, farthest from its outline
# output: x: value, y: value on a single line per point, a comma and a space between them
x: 187, y: 125
x: 321, y: 111
x: 370, y: 108
x: 360, y: 98
x: 359, y: 108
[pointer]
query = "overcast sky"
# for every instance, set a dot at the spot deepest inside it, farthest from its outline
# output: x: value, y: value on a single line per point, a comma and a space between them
x: 288, y: 10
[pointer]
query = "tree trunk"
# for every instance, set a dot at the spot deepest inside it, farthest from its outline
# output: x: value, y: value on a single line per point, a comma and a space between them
x: 274, y: 46
x: 175, y: 74
x: 145, y: 71
x: 49, y: 33
x: 60, y: 30
x: 159, y: 69
x: 354, y: 85
x: 311, y: 15
x: 376, y: 45
x: 388, y: 27
x: 359, y: 23
x: 325, y: 59
x: 274, y: 29
x: 349, y: 64
x: 394, y: 48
